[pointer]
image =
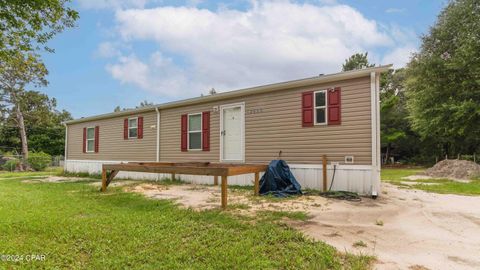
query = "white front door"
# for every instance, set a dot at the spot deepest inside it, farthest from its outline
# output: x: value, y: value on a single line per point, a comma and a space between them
x: 231, y: 132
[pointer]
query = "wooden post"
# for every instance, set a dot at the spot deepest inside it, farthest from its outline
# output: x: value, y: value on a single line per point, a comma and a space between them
x: 257, y: 184
x: 224, y: 191
x: 104, y: 180
x: 173, y: 177
x: 215, y: 180
x: 324, y: 171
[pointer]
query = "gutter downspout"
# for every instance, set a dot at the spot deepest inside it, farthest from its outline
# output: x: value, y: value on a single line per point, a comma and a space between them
x: 158, y: 139
x: 66, y: 148
x: 158, y: 134
x: 375, y: 121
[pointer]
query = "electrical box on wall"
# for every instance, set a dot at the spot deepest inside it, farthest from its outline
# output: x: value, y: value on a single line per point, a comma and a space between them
x: 215, y: 109
x: 348, y: 159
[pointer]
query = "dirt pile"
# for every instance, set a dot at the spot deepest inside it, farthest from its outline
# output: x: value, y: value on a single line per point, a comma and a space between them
x: 454, y: 169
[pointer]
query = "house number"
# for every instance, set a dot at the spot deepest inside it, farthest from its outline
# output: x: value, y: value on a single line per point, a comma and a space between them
x: 254, y: 111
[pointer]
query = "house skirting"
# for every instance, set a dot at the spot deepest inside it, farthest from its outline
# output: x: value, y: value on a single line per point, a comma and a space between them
x: 363, y: 179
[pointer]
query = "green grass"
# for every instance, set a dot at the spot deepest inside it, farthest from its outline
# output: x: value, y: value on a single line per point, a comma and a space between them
x: 395, y: 175
x: 278, y: 215
x: 77, y: 227
x: 442, y: 186
x: 49, y: 171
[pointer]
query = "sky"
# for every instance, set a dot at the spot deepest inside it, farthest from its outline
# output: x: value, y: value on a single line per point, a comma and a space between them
x: 123, y: 52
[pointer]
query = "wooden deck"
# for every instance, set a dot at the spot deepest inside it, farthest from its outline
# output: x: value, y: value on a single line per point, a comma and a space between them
x: 223, y: 170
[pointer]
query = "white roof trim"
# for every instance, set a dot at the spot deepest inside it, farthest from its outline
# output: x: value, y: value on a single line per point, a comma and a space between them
x: 243, y: 92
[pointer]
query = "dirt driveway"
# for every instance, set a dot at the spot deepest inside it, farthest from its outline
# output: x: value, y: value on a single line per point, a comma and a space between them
x: 420, y: 230
x: 405, y: 229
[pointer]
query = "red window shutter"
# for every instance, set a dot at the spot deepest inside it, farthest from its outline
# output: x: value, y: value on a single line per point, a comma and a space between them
x: 97, y: 136
x: 140, y: 127
x: 206, y: 131
x: 84, y: 140
x: 334, y: 106
x: 184, y: 133
x: 307, y: 109
x: 125, y: 129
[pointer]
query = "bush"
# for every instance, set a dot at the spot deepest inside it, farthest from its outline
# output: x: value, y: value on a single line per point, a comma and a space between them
x: 11, y: 165
x: 39, y: 160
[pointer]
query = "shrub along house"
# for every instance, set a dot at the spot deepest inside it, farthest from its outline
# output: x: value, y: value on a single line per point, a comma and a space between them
x: 336, y: 115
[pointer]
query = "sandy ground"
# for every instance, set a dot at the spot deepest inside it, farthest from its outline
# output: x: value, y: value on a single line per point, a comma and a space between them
x: 405, y: 229
x: 419, y: 229
x: 201, y: 197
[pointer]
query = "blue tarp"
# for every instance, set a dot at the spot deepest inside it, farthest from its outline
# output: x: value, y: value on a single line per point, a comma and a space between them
x: 279, y: 181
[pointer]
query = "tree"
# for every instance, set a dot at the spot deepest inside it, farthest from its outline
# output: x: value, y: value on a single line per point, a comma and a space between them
x: 397, y: 137
x: 26, y: 26
x: 443, y: 83
x: 142, y: 104
x: 357, y: 61
x: 145, y: 103
x: 16, y: 72
x: 43, y: 124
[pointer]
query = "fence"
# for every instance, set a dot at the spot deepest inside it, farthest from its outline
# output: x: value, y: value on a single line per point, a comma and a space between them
x: 56, y: 161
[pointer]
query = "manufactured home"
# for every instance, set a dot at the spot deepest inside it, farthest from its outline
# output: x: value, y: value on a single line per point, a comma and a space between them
x: 300, y: 121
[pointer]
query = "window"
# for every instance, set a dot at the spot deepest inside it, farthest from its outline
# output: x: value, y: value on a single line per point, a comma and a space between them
x: 90, y: 140
x: 320, y: 107
x: 195, y: 131
x: 132, y: 128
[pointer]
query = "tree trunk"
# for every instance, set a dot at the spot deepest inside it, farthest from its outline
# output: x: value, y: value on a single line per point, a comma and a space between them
x: 23, y: 137
x: 387, y: 153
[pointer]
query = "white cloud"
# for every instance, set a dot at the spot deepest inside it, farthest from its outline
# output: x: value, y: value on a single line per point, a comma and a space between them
x: 270, y: 42
x: 107, y: 50
x: 158, y: 74
x: 130, y: 70
x: 399, y: 57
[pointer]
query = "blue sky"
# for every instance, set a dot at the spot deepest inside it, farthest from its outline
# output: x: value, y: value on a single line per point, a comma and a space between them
x: 125, y: 51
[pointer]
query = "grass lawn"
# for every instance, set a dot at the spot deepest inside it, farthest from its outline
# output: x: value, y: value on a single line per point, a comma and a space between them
x: 443, y: 186
x: 75, y: 226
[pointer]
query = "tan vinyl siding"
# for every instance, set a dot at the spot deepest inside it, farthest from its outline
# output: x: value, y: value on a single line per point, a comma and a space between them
x: 112, y: 145
x: 278, y: 127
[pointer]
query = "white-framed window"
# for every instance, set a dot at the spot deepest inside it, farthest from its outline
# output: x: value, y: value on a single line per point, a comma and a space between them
x: 320, y: 107
x: 90, y: 140
x: 133, y: 128
x: 195, y: 131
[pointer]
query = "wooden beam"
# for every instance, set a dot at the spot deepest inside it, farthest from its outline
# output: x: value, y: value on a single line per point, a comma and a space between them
x: 193, y: 170
x: 246, y: 169
x: 215, y: 180
x: 324, y: 172
x: 224, y: 191
x: 104, y: 179
x: 111, y: 176
x: 257, y: 184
